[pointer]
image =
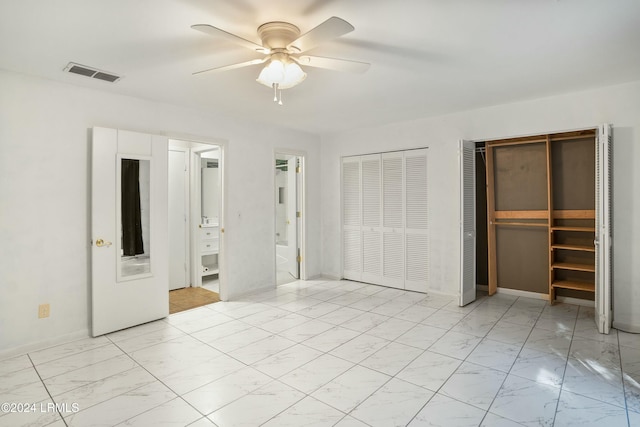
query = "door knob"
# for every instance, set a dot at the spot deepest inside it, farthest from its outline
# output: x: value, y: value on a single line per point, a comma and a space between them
x: 100, y: 243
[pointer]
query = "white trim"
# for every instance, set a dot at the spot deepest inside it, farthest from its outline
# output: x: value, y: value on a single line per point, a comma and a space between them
x: 576, y: 301
x: 536, y: 295
x: 519, y: 293
x: 44, y: 344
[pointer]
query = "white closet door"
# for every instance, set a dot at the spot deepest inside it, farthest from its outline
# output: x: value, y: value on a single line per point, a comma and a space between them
x: 603, y: 230
x: 351, y: 219
x: 178, y: 208
x: 393, y: 220
x: 417, y: 221
x: 371, y: 219
x: 467, y: 223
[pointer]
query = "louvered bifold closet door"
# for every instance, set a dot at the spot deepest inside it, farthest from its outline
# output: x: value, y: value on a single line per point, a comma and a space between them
x: 351, y: 219
x: 393, y: 220
x: 603, y: 230
x: 371, y: 219
x: 416, y: 221
x: 467, y: 223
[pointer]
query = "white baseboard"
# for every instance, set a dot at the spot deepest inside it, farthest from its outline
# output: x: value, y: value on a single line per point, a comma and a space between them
x: 519, y: 293
x: 576, y: 301
x: 330, y: 276
x: 536, y: 295
x: 41, y: 345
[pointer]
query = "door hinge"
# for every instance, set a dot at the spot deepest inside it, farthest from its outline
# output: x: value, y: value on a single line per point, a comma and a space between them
x: 299, y: 258
x: 299, y: 214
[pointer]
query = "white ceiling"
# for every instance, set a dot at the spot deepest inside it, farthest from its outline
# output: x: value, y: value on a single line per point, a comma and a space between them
x: 428, y: 56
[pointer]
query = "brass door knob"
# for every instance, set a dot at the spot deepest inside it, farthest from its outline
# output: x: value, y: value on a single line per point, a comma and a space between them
x: 100, y: 243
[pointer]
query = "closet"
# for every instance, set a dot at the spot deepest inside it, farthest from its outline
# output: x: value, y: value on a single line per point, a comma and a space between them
x: 385, y: 237
x: 548, y: 213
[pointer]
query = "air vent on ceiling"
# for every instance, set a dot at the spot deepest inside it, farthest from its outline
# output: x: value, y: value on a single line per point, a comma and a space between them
x: 83, y: 70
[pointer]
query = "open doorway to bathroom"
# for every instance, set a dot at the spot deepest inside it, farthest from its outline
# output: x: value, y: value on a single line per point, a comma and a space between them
x: 289, y: 194
x: 195, y: 224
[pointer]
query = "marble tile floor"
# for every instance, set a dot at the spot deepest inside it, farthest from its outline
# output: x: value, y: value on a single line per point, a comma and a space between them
x: 337, y: 353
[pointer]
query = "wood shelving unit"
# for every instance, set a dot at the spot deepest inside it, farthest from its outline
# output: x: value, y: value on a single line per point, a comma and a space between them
x: 572, y: 228
x: 573, y: 266
x: 524, y: 175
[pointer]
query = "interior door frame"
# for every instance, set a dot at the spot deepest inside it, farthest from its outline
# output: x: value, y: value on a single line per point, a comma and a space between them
x: 301, y: 203
x: 196, y: 274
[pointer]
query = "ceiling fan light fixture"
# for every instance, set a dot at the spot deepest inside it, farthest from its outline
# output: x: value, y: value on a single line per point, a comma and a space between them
x: 282, y: 72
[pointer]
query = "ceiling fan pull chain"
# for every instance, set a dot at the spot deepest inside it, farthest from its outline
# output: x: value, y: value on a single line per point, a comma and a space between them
x: 275, y: 92
x: 280, y: 102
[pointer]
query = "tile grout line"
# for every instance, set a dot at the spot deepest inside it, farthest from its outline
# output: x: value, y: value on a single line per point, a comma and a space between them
x: 157, y: 379
x: 47, y: 389
x: 566, y: 362
x: 624, y: 387
x: 514, y: 360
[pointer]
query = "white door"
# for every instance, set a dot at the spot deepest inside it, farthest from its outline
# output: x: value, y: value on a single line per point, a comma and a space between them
x: 467, y: 223
x: 292, y: 217
x: 129, y: 264
x: 351, y: 219
x: 393, y: 256
x: 603, y: 230
x: 178, y: 208
x: 416, y: 221
x: 371, y: 219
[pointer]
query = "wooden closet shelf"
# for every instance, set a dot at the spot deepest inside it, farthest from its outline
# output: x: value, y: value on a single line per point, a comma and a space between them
x: 571, y: 228
x: 577, y: 286
x: 583, y: 248
x: 522, y: 224
x: 574, y: 267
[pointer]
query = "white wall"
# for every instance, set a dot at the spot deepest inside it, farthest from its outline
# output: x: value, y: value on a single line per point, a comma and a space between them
x: 44, y: 198
x: 618, y: 105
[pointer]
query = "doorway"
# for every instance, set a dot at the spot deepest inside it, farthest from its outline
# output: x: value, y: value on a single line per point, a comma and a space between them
x: 289, y: 196
x: 195, y: 221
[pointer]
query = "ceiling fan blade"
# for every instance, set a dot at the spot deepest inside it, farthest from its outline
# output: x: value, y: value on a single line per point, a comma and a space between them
x: 329, y: 29
x: 217, y: 32
x: 232, y: 66
x: 333, y: 63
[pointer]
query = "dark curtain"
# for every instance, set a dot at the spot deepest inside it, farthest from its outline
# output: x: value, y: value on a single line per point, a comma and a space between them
x: 131, y: 221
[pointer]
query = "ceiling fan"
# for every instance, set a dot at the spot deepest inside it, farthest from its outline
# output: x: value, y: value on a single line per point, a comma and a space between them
x: 282, y: 46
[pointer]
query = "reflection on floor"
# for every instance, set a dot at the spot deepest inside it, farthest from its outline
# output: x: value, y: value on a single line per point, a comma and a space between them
x: 211, y: 283
x: 339, y: 353
x: 284, y: 277
x: 132, y: 265
x: 188, y: 298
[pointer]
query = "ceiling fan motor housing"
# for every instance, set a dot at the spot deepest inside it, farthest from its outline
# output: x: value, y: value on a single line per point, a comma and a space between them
x: 277, y: 35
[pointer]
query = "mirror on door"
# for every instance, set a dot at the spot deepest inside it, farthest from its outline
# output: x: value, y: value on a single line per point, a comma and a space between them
x: 134, y: 218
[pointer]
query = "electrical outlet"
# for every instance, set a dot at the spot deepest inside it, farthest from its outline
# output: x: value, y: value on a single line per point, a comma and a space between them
x: 43, y: 311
